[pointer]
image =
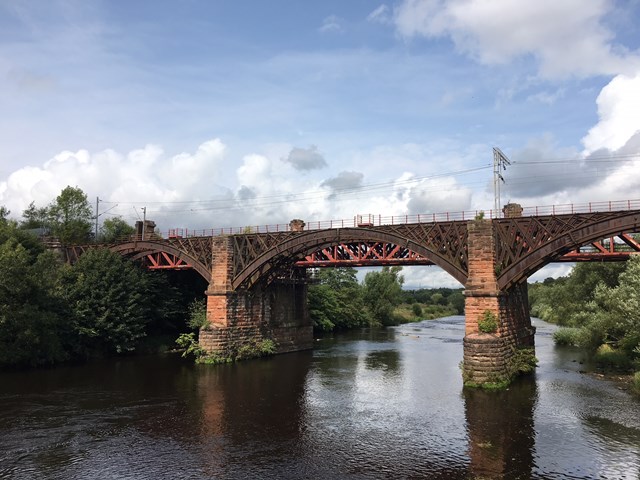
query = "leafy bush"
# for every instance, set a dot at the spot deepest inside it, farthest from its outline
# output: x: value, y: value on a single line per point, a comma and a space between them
x: 611, y: 359
x: 417, y: 309
x: 188, y: 342
x: 198, y: 315
x: 523, y: 361
x: 488, y: 323
x: 567, y: 336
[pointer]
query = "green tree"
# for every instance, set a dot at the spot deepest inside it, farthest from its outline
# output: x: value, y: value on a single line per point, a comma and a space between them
x: 33, y: 327
x: 70, y: 216
x: 34, y: 217
x: 114, y: 229
x: 112, y: 302
x: 565, y: 300
x: 619, y: 310
x: 382, y: 292
x: 336, y: 302
x: 456, y: 300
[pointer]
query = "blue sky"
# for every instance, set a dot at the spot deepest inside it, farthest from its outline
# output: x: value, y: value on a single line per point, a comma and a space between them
x: 220, y: 113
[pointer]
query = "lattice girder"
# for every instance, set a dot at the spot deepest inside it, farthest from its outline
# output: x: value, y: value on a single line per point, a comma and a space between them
x: 195, y: 251
x: 526, y: 244
x: 359, y: 254
x: 256, y: 255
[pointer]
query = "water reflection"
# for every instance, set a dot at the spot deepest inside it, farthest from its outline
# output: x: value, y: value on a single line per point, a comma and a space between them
x: 501, y: 430
x: 387, y: 361
x: 374, y: 404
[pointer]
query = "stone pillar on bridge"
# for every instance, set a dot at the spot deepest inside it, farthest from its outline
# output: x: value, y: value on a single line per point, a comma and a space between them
x: 240, y: 321
x: 488, y: 357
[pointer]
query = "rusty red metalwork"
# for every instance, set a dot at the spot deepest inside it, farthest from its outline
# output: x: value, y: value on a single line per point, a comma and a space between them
x: 612, y: 249
x: 523, y: 245
x: 363, y: 254
x: 164, y: 261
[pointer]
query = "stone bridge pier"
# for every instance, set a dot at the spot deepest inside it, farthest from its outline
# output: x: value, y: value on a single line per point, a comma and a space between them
x: 241, y: 320
x: 489, y: 357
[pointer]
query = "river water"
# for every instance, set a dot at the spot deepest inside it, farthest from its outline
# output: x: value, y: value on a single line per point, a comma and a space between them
x: 368, y: 404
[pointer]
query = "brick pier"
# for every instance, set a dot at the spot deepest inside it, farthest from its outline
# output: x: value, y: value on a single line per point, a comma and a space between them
x: 245, y: 318
x: 487, y: 356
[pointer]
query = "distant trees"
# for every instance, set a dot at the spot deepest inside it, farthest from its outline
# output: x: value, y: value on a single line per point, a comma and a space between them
x: 115, y: 228
x: 434, y: 302
x: 34, y: 217
x: 68, y: 217
x: 338, y: 301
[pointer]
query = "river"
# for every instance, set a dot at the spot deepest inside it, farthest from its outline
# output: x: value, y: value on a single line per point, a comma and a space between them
x: 361, y: 405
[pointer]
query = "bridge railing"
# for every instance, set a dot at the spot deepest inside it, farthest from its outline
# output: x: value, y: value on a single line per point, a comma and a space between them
x: 371, y: 220
x: 610, y: 206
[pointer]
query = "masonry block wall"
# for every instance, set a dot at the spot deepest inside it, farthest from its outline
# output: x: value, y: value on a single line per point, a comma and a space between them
x: 487, y: 356
x: 277, y: 311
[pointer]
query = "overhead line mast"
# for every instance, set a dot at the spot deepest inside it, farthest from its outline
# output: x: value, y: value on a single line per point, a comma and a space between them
x: 500, y: 162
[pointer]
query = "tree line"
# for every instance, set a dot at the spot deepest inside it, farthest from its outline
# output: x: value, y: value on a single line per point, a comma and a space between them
x: 338, y: 301
x: 598, y: 307
x: 70, y: 219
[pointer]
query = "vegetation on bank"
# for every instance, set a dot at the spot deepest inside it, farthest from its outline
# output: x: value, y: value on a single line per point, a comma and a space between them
x: 598, y: 308
x: 103, y: 305
x: 338, y: 301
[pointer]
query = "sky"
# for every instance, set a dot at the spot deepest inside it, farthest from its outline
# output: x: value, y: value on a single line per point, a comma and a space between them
x: 233, y: 113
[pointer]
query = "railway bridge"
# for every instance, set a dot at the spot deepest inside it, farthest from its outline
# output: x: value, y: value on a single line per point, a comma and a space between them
x: 257, y: 283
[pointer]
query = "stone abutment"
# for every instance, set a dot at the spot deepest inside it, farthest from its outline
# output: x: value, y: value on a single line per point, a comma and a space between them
x: 243, y: 320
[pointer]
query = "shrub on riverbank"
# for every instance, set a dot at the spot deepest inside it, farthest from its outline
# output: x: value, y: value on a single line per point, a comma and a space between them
x: 600, y: 304
x: 406, y: 313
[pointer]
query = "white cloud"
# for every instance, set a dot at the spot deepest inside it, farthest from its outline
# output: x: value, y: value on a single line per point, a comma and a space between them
x: 619, y: 112
x: 428, y: 277
x: 566, y: 38
x: 332, y: 23
x: 380, y: 15
x: 144, y: 176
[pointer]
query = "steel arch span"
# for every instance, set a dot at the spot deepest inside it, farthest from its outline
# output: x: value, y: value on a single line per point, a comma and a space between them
x: 414, y: 240
x: 174, y: 253
x: 526, y: 244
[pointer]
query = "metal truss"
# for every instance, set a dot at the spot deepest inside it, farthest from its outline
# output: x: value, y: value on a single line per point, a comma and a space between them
x: 525, y: 244
x: 260, y: 256
x: 173, y: 253
x: 362, y: 254
x: 613, y: 249
x: 162, y: 261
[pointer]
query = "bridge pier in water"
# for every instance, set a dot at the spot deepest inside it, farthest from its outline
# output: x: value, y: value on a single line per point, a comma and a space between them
x: 488, y: 357
x: 242, y: 320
